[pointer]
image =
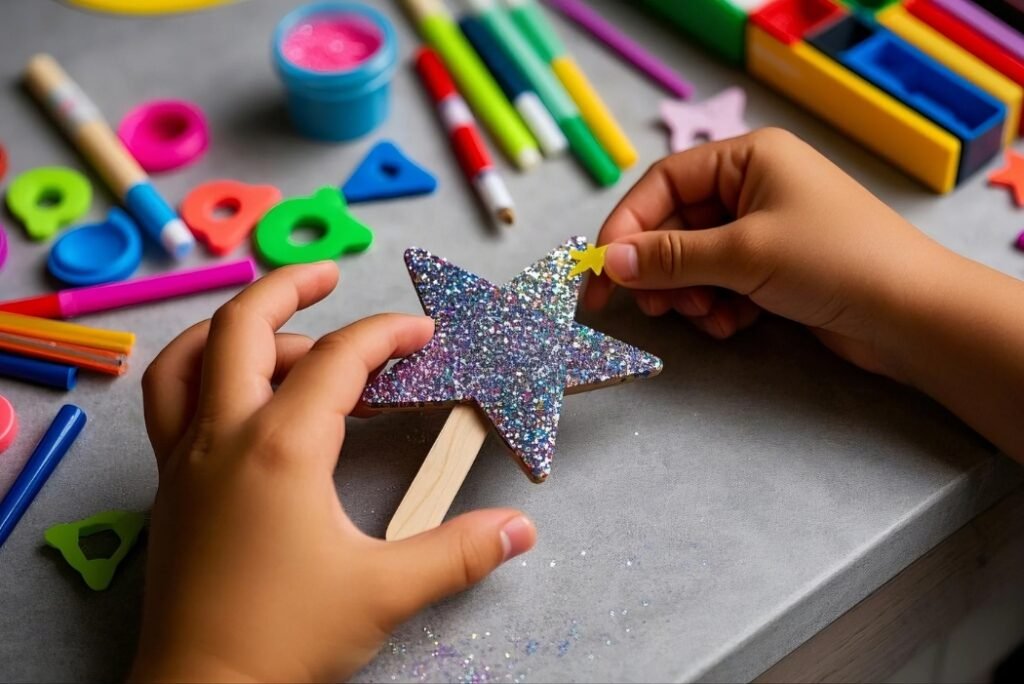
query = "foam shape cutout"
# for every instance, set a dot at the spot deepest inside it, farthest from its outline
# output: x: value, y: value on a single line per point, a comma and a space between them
x: 3, y: 246
x: 1011, y: 176
x: 97, y: 572
x: 589, y: 259
x: 386, y: 173
x: 325, y: 212
x: 164, y: 135
x: 97, y: 252
x: 243, y: 205
x: 716, y: 118
x: 8, y: 424
x: 48, y: 198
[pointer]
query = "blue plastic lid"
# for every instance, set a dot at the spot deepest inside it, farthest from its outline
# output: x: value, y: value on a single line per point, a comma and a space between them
x: 97, y: 252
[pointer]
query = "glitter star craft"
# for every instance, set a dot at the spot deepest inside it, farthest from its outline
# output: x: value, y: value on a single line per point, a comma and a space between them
x: 514, y: 350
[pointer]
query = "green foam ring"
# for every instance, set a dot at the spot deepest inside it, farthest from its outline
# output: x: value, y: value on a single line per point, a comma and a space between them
x: 97, y: 572
x: 48, y: 198
x: 325, y: 210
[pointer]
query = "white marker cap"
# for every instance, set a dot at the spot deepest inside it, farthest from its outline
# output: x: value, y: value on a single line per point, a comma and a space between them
x: 540, y: 122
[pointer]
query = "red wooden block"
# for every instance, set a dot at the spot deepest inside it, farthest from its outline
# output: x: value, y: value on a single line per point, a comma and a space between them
x: 222, y: 213
x: 790, y: 20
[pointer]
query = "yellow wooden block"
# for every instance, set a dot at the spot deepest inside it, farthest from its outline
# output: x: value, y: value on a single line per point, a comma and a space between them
x: 943, y: 50
x: 888, y: 127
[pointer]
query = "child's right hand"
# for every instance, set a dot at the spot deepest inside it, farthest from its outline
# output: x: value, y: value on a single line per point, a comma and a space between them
x: 793, y: 235
x: 763, y: 222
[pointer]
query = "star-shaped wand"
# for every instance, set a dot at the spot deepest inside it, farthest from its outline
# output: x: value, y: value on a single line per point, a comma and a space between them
x: 501, y: 355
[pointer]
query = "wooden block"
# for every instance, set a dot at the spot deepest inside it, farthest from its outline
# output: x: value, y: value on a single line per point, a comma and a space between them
x: 881, y: 57
x: 941, y: 49
x: 878, y: 121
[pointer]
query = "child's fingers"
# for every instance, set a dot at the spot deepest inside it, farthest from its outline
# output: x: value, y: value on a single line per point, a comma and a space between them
x: 240, y: 354
x: 327, y: 383
x: 673, y: 259
x: 710, y: 174
x: 291, y: 347
x: 169, y: 388
x: 451, y: 558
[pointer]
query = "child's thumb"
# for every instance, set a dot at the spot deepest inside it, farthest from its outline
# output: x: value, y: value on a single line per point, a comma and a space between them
x: 463, y: 551
x: 668, y: 259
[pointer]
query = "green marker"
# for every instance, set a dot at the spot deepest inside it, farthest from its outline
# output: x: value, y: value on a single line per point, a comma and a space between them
x: 475, y: 82
x: 581, y: 141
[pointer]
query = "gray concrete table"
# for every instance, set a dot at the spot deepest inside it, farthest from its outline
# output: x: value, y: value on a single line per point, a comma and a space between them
x: 700, y: 525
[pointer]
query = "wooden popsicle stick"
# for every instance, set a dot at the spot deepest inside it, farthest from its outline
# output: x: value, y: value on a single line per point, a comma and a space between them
x: 431, y: 494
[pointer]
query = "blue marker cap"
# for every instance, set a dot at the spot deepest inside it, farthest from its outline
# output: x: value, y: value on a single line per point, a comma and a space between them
x: 39, y: 372
x: 98, y: 252
x: 40, y: 465
x: 158, y: 220
x: 504, y: 70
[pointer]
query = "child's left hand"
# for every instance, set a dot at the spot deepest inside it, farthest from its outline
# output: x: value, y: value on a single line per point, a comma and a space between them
x: 254, y: 571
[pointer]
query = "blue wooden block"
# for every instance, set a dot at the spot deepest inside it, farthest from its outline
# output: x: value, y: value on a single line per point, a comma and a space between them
x: 904, y: 72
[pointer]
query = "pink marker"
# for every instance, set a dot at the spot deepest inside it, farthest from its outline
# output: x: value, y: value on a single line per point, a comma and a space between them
x: 85, y: 300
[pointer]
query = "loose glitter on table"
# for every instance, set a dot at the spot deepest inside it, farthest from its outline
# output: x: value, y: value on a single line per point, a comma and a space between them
x: 513, y: 350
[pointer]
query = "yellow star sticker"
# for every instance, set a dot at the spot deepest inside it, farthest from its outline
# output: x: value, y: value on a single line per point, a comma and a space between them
x: 590, y: 259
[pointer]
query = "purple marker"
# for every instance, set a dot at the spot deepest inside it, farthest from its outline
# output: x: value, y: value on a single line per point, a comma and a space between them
x: 985, y: 24
x: 659, y: 72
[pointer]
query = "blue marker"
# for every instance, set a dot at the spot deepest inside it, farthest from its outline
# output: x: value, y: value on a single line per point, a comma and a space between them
x: 84, y: 125
x: 39, y: 372
x: 48, y: 453
x: 515, y: 86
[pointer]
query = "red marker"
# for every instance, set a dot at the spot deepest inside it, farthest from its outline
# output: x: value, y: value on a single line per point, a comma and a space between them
x: 469, y: 146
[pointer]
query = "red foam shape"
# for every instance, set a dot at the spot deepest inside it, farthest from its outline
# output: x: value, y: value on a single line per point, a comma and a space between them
x: 244, y: 205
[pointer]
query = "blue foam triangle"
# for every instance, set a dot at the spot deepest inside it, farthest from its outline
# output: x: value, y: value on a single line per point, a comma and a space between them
x: 386, y: 173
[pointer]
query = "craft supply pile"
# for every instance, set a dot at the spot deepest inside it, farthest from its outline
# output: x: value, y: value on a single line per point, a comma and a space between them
x: 934, y: 86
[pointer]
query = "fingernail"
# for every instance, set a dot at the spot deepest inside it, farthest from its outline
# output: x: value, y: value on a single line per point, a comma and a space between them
x: 621, y: 262
x: 517, y: 536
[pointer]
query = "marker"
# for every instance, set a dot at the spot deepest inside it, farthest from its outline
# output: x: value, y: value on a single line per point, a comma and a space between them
x: 44, y: 460
x: 85, y: 300
x: 88, y: 358
x: 438, y: 28
x: 593, y: 23
x: 43, y: 373
x: 66, y: 333
x: 527, y: 15
x: 506, y: 72
x: 84, y: 125
x: 469, y: 146
x: 581, y: 141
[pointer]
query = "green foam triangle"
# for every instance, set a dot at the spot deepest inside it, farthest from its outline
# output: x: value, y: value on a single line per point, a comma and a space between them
x: 97, y: 572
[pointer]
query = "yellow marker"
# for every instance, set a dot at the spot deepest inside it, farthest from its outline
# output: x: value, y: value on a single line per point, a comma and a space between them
x: 923, y: 149
x: 59, y: 331
x: 596, y: 115
x: 538, y: 30
x: 943, y: 50
x: 589, y: 259
x: 146, y: 6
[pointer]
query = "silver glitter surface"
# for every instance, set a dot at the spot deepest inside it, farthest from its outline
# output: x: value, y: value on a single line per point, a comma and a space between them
x: 512, y: 349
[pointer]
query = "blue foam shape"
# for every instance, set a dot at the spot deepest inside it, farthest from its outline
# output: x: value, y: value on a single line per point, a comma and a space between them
x: 97, y: 252
x: 386, y: 173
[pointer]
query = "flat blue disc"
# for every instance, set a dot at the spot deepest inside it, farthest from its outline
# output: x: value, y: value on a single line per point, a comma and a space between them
x: 97, y: 252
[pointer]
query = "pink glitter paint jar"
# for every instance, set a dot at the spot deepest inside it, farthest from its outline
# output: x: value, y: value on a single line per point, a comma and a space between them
x: 336, y: 60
